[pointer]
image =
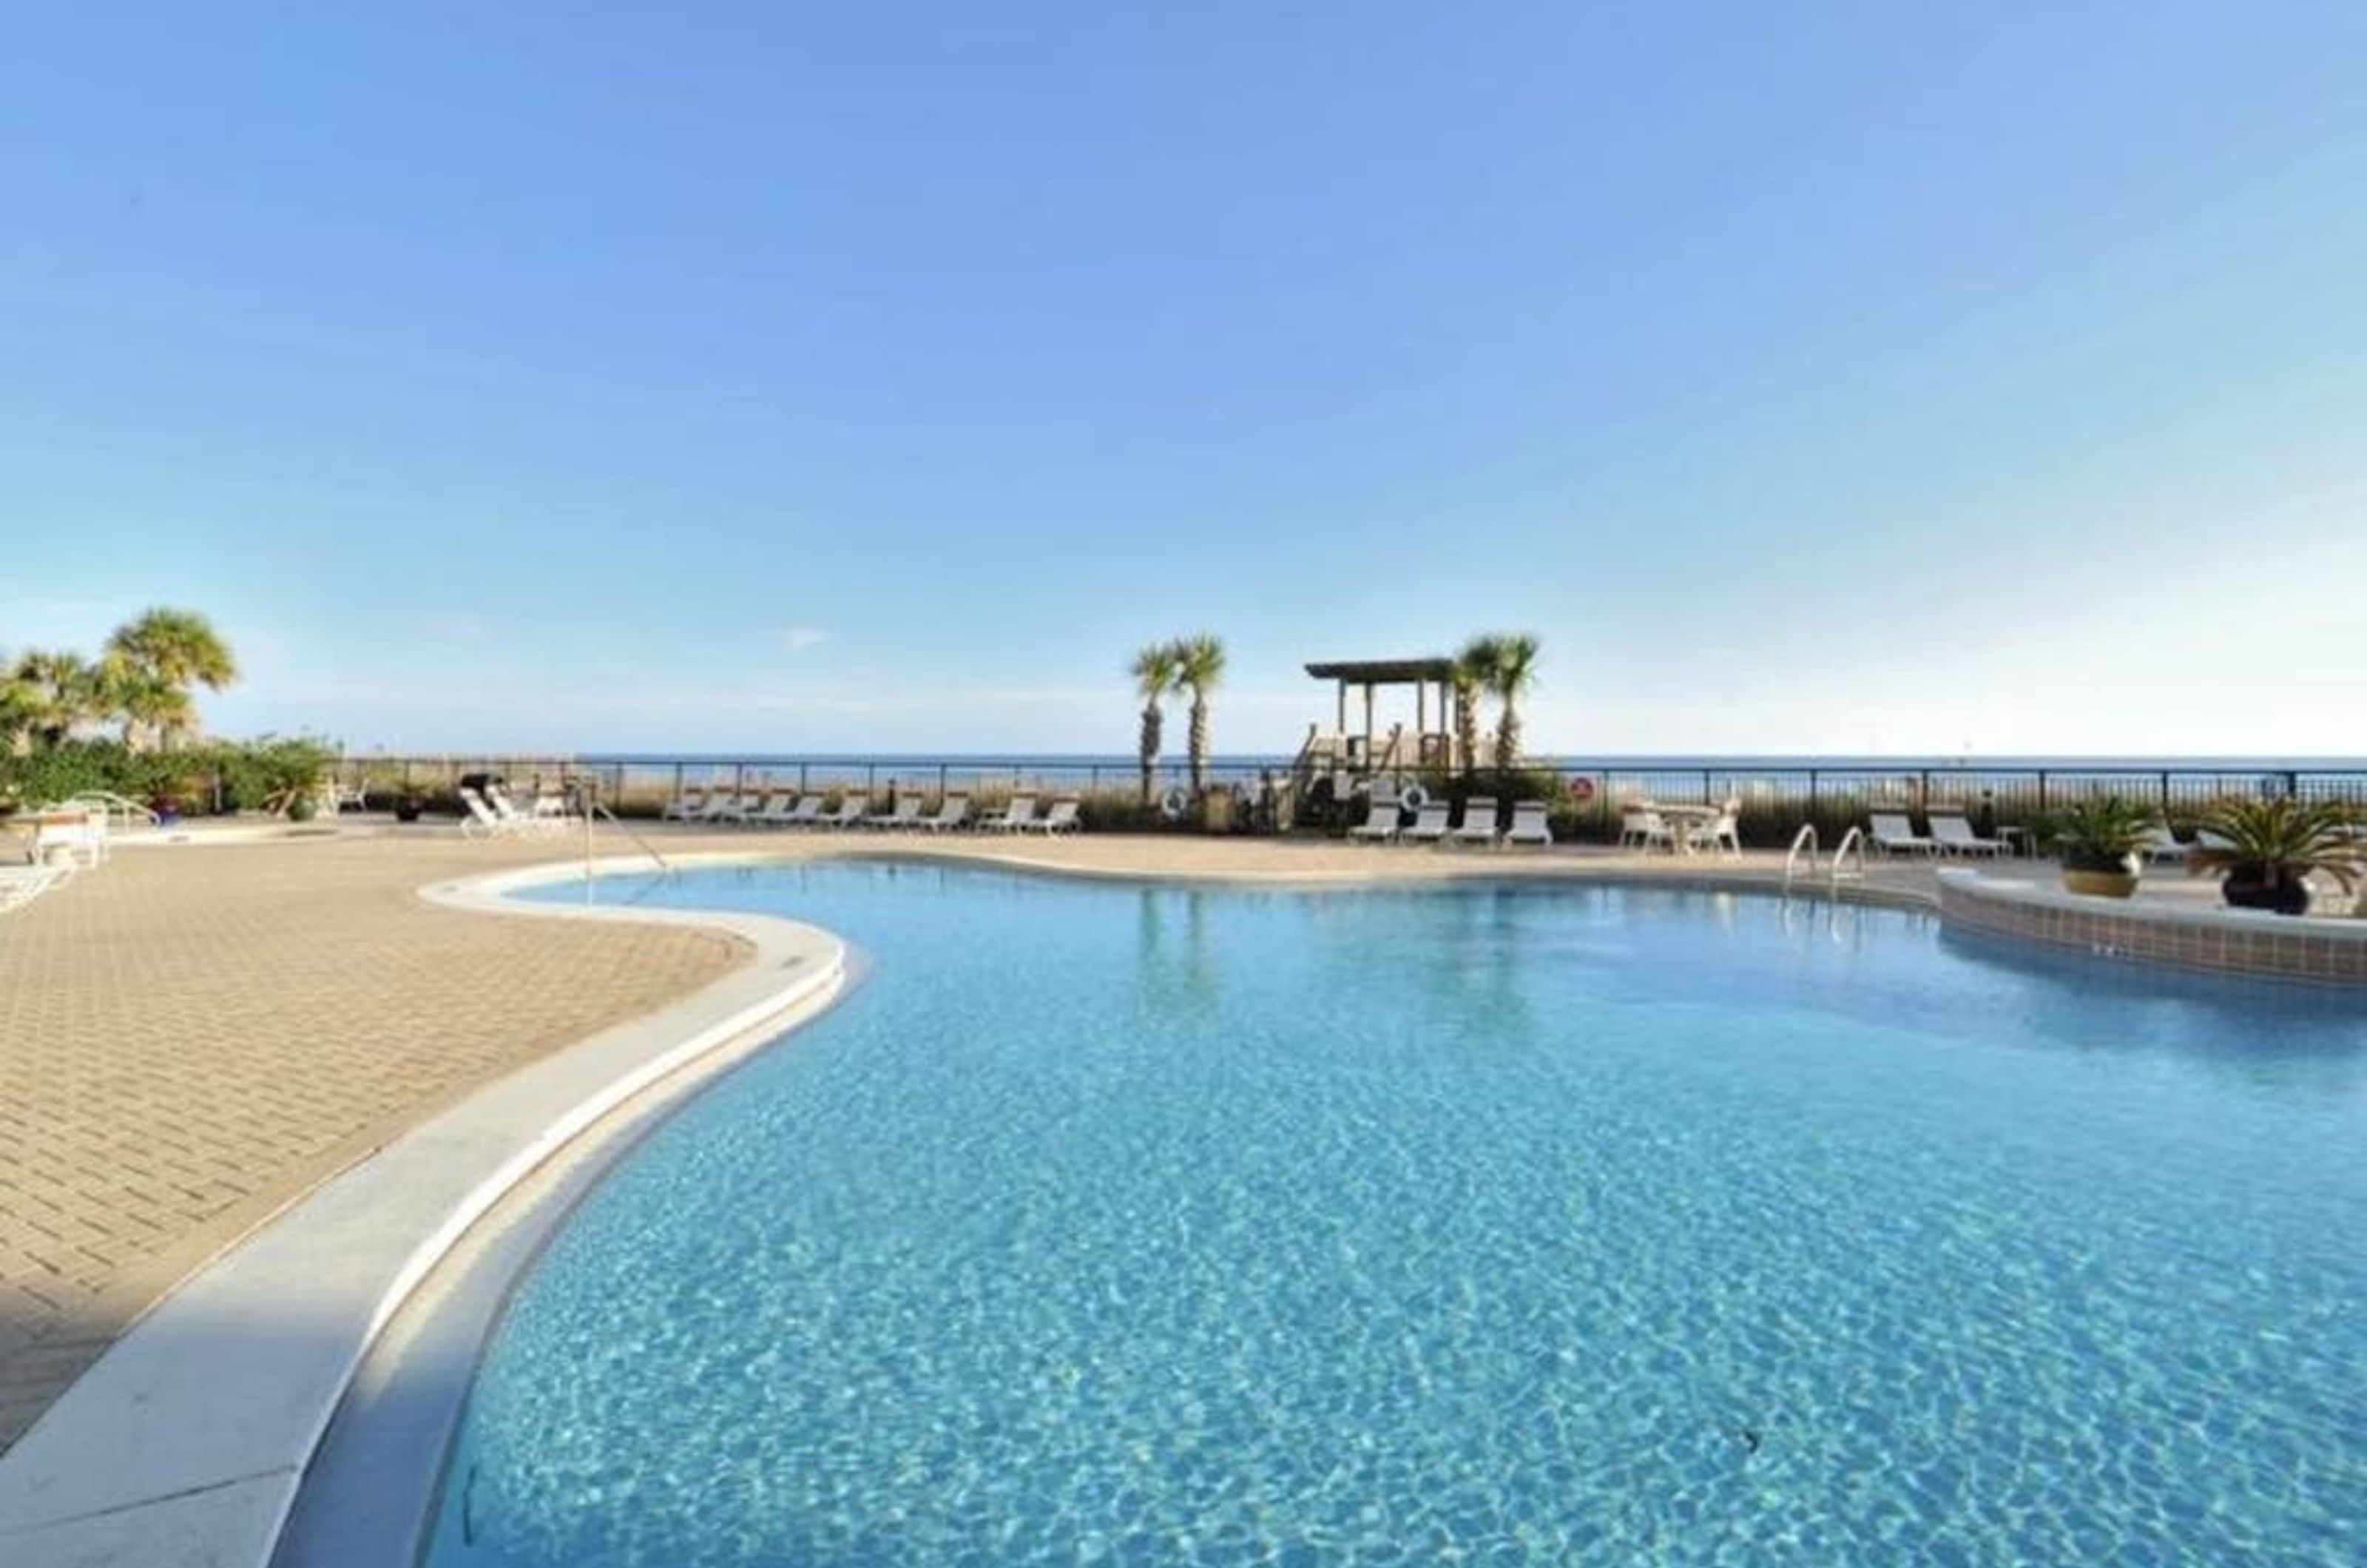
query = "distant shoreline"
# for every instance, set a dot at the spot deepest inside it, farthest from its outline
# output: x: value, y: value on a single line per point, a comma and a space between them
x: 1726, y: 762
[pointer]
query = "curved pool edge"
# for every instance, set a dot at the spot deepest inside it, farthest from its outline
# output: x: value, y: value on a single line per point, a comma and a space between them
x: 187, y: 1440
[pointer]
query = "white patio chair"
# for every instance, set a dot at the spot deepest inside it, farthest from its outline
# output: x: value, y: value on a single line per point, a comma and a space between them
x: 1429, y: 824
x: 849, y: 814
x: 1890, y: 833
x: 1640, y: 827
x: 953, y: 813
x: 1722, y: 834
x: 1380, y: 823
x: 685, y: 807
x: 1529, y: 825
x: 905, y: 813
x: 1017, y: 817
x: 1062, y: 818
x: 1954, y: 836
x: 481, y: 820
x: 802, y: 812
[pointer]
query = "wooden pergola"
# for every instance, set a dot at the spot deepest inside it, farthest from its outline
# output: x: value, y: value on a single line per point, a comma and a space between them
x: 1432, y: 747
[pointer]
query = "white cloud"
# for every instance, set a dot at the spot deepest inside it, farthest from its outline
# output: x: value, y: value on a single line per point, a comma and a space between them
x: 799, y: 638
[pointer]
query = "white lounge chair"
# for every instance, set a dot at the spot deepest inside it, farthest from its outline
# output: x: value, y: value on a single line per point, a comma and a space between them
x: 1954, y: 836
x: 725, y: 806
x: 1890, y: 833
x: 905, y: 813
x: 1479, y: 825
x: 685, y: 807
x: 849, y: 814
x: 1062, y: 818
x: 803, y: 812
x: 2163, y: 845
x: 516, y: 821
x: 1380, y: 823
x: 953, y: 812
x: 1429, y: 825
x: 481, y: 820
x: 1017, y: 817
x: 1529, y: 824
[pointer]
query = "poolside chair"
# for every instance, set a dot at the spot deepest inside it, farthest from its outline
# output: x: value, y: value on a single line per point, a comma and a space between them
x: 1529, y: 825
x: 483, y: 821
x: 1380, y: 823
x: 1479, y: 825
x: 1017, y: 817
x: 905, y: 813
x: 1954, y: 836
x: 1062, y: 818
x: 725, y: 806
x: 803, y: 813
x: 953, y: 812
x: 849, y: 814
x: 1890, y: 833
x: 1640, y: 827
x: 1722, y: 834
x: 685, y: 807
x: 516, y: 821
x: 1429, y: 825
x: 2162, y: 844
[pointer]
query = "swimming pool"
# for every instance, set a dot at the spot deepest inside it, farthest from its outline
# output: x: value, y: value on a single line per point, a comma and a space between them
x: 1160, y: 1225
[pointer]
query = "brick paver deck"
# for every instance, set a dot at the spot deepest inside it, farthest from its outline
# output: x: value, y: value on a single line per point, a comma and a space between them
x: 191, y: 1037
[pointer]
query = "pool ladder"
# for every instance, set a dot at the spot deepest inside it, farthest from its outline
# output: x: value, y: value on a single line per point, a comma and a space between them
x: 593, y: 808
x: 1802, y: 858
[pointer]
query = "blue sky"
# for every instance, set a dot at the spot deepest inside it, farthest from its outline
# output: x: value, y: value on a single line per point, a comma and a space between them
x: 1854, y: 377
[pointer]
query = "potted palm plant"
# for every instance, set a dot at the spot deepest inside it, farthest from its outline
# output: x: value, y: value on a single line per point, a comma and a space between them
x: 2098, y: 842
x: 2265, y: 849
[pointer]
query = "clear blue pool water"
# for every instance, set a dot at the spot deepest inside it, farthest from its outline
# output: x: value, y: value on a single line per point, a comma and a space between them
x: 1151, y: 1225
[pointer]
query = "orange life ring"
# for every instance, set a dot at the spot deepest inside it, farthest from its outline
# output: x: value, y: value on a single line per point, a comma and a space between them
x: 1581, y: 788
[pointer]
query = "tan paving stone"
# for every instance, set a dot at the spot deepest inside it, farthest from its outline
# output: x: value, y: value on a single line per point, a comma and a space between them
x: 191, y: 1036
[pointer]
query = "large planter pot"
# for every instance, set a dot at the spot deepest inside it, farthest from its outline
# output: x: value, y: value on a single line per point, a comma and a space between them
x: 2258, y: 887
x: 407, y: 808
x: 2100, y: 876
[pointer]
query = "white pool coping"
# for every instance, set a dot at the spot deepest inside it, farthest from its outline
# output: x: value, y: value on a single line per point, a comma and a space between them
x: 186, y: 1441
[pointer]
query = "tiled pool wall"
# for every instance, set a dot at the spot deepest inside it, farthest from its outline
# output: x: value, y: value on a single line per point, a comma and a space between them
x: 2241, y: 941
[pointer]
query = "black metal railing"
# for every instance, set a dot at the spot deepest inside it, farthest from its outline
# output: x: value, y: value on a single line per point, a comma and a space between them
x: 2010, y: 794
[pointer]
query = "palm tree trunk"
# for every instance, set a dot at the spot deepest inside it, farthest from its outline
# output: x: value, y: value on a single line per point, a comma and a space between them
x: 1508, y: 738
x: 1199, y: 743
x: 1148, y: 747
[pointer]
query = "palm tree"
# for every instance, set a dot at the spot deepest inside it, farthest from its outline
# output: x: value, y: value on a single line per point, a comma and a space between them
x: 1511, y: 671
x: 149, y: 707
x: 1474, y: 671
x: 1154, y: 677
x: 55, y: 691
x: 155, y: 659
x: 21, y: 707
x: 1199, y: 664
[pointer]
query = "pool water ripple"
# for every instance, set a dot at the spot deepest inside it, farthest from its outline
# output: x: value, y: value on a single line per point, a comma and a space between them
x: 1154, y: 1225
